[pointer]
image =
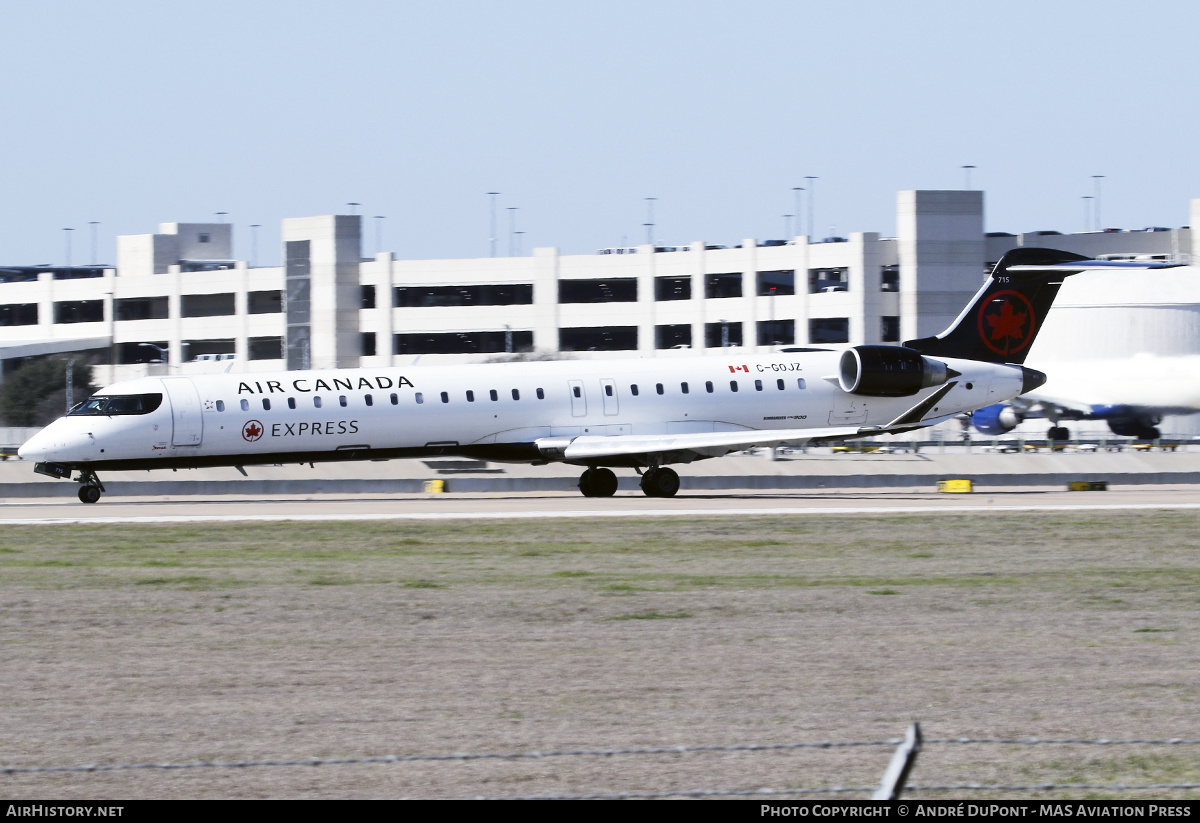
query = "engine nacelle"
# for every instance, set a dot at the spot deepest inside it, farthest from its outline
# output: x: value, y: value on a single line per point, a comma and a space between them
x: 888, y: 371
x: 1143, y: 428
x: 997, y: 419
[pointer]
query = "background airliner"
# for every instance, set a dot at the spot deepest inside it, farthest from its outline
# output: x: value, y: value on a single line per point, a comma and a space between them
x: 1131, y: 394
x: 599, y: 414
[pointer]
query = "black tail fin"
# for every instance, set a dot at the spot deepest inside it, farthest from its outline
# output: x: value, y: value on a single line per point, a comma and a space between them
x: 1001, y: 322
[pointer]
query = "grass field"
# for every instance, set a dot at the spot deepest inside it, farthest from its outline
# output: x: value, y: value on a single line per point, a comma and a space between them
x: 126, y: 644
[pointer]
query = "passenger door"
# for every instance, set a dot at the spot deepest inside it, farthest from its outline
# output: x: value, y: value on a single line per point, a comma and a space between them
x: 188, y: 429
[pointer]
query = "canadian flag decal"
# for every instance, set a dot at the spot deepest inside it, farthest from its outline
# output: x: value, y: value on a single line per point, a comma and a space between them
x: 739, y: 368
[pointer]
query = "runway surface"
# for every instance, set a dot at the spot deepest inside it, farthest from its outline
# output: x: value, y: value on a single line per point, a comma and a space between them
x: 571, y: 505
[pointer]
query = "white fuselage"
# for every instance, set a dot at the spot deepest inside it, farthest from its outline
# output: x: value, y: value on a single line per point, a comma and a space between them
x: 498, y: 410
x: 1158, y: 384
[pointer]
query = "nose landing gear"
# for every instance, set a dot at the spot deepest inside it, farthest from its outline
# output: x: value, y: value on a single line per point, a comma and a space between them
x: 89, y: 491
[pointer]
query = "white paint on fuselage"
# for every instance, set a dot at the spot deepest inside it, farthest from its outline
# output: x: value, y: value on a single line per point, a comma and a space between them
x: 345, y: 420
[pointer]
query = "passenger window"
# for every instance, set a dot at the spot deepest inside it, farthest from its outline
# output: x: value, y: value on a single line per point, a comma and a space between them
x: 800, y: 383
x: 608, y: 389
x: 683, y: 387
x: 291, y: 402
x: 420, y: 398
x: 779, y: 383
x: 733, y: 385
x: 658, y: 387
x: 395, y: 398
x: 633, y: 389
x: 342, y: 399
x: 541, y: 394
x: 220, y: 405
x: 758, y: 385
x: 708, y: 387
x: 245, y: 404
x: 445, y: 397
x: 493, y: 395
x: 316, y: 402
x: 577, y: 390
x: 369, y: 400
x: 266, y: 404
x: 470, y: 396
x: 516, y: 395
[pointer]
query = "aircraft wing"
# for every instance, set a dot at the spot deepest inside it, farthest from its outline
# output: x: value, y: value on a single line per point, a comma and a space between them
x: 701, y: 444
x: 715, y: 444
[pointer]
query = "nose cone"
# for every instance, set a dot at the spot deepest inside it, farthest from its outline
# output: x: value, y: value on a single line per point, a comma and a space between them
x: 61, y: 441
x: 35, y: 447
x: 1031, y: 379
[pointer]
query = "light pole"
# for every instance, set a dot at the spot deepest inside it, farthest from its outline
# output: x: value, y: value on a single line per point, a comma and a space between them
x: 520, y: 250
x: 354, y: 207
x: 67, y: 236
x: 512, y: 228
x: 1099, y: 224
x: 1087, y: 212
x: 787, y: 227
x: 95, y: 254
x: 164, y: 355
x: 493, y: 195
x: 71, y: 382
x: 812, y: 188
x: 650, y: 220
x: 221, y: 215
x: 967, y: 172
x: 379, y: 218
x: 799, y: 212
x: 254, y: 227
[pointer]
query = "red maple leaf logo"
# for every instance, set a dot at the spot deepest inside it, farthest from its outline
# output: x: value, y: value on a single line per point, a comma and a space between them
x: 252, y: 431
x: 1008, y: 323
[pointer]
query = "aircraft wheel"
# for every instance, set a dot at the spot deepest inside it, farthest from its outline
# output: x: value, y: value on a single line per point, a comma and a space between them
x: 88, y: 494
x: 604, y: 483
x: 598, y: 483
x: 1059, y: 433
x: 661, y: 482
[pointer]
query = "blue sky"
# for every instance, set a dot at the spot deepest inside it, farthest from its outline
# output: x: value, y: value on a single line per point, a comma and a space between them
x: 136, y: 113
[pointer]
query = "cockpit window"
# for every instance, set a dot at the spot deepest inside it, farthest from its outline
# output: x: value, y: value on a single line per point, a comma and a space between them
x: 118, y: 404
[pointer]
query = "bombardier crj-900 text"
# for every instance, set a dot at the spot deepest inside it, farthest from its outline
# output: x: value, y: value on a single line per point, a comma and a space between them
x: 639, y: 414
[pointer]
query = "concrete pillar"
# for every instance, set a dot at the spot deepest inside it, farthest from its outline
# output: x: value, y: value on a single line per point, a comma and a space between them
x: 241, y: 309
x: 866, y: 325
x: 334, y: 293
x: 545, y: 299
x: 941, y: 249
x: 176, y: 352
x: 1194, y: 223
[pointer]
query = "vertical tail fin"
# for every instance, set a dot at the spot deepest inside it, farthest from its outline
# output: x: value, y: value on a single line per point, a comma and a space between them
x: 1000, y: 324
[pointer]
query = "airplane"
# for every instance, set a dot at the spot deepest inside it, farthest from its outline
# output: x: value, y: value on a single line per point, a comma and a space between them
x: 596, y: 414
x: 1131, y: 394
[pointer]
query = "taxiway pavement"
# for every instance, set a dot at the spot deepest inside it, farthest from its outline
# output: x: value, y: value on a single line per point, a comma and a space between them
x: 733, y: 503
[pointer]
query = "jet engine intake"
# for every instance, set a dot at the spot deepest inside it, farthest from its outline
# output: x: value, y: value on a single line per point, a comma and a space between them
x: 998, y: 418
x: 889, y: 371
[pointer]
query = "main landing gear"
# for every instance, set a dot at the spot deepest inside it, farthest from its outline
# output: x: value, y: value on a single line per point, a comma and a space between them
x: 659, y: 482
x: 598, y: 483
x: 89, y: 491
